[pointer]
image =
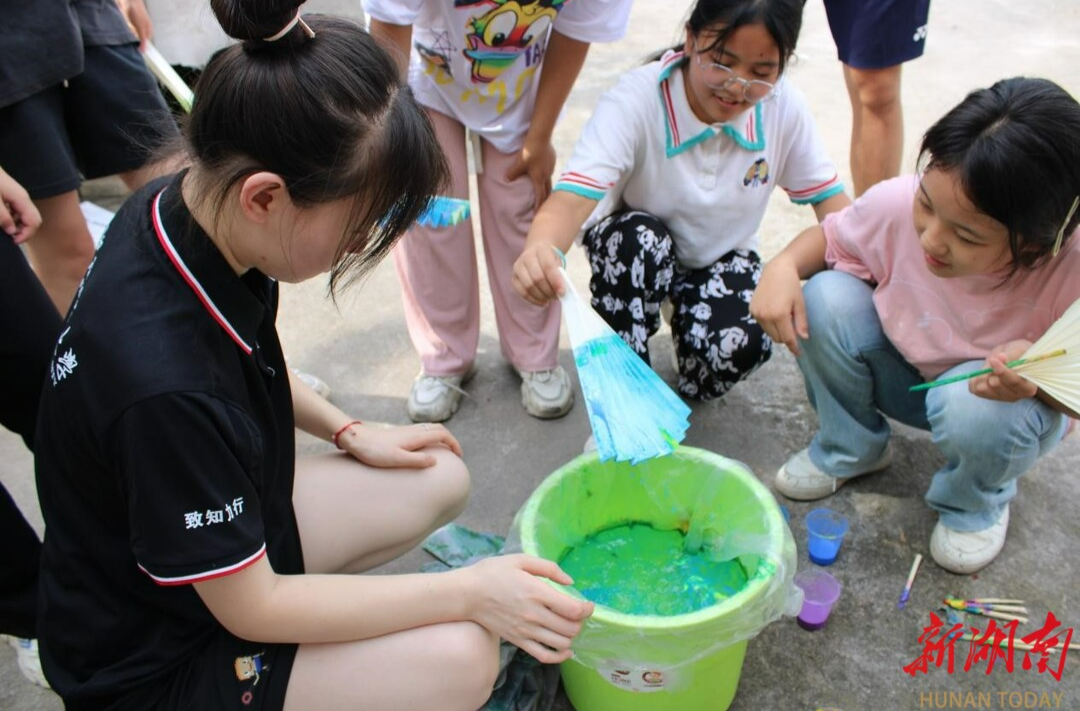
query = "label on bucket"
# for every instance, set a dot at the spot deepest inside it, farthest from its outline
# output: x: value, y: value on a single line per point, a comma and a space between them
x: 637, y: 679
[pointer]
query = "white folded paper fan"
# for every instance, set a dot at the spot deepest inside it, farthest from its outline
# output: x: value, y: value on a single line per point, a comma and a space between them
x: 1057, y: 373
x: 633, y: 413
x: 1052, y: 362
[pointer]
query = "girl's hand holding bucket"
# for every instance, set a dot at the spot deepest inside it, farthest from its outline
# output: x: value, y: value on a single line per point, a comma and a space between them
x: 508, y: 596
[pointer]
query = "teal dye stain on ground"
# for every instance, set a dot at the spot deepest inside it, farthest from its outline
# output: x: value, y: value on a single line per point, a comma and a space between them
x: 639, y: 570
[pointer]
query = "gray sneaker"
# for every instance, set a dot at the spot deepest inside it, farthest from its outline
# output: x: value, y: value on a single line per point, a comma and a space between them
x: 435, y: 398
x: 546, y: 394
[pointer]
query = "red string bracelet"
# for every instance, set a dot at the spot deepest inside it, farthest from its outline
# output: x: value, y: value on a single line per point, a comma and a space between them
x: 334, y: 437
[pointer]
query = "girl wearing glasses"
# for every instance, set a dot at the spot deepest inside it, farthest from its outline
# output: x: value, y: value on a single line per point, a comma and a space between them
x: 670, y: 180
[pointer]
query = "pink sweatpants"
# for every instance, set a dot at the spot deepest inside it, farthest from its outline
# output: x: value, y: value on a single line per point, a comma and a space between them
x: 439, y: 277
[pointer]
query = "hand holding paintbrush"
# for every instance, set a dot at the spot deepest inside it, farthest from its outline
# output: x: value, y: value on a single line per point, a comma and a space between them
x: 1052, y: 363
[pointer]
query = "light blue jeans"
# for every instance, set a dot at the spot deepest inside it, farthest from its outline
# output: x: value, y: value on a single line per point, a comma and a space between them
x: 855, y: 377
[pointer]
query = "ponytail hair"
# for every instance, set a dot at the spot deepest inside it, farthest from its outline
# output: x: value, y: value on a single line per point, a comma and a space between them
x: 323, y: 106
x: 257, y: 22
x: 1014, y: 149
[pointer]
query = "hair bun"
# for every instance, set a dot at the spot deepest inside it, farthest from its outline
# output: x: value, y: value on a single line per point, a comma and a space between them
x: 254, y: 19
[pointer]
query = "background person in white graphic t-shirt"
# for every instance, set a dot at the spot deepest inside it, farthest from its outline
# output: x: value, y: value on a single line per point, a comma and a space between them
x: 500, y: 71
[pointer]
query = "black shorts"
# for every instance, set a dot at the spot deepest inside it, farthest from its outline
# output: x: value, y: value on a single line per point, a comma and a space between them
x: 107, y: 120
x: 230, y: 675
x: 875, y: 34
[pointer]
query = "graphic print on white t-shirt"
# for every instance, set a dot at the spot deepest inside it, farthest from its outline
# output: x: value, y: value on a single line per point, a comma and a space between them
x: 478, y: 61
x: 469, y: 61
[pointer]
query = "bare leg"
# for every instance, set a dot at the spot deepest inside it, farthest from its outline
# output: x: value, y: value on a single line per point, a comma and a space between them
x: 449, y: 667
x: 351, y: 518
x: 62, y: 248
x: 877, y: 125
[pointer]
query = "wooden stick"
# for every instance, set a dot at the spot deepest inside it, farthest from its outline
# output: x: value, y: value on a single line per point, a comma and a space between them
x: 974, y: 605
x: 1003, y: 608
x: 971, y: 604
x: 994, y: 601
x: 1023, y: 645
x: 1000, y: 615
x: 1003, y: 643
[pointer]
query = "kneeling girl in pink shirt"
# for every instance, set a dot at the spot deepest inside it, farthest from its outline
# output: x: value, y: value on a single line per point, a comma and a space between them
x: 961, y: 266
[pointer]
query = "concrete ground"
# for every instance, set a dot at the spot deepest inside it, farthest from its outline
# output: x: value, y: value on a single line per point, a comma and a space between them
x: 361, y: 348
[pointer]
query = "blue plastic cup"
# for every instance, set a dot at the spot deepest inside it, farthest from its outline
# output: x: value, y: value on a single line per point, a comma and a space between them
x: 826, y: 530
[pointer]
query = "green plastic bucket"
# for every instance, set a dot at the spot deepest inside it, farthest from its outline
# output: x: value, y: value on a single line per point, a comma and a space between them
x: 686, y: 662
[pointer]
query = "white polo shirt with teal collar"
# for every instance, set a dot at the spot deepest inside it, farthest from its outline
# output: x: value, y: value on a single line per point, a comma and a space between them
x: 644, y: 149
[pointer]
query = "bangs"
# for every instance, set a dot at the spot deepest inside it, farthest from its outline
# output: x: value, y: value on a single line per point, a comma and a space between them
x: 403, y: 170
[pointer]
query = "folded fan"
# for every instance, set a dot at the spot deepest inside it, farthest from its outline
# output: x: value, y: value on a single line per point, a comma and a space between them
x: 1052, y: 362
x: 633, y: 413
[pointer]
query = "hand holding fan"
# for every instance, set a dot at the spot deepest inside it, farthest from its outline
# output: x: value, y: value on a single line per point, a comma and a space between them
x: 1052, y: 362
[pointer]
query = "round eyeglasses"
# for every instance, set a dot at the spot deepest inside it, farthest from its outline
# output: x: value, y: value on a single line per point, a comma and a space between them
x: 717, y: 76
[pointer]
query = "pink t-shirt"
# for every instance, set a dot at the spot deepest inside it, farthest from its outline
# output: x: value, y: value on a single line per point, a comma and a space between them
x: 938, y: 323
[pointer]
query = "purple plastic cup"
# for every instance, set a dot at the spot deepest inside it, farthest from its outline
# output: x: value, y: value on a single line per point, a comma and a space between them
x: 825, y: 532
x: 820, y: 593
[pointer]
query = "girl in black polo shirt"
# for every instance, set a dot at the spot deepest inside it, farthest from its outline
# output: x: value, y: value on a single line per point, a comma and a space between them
x: 185, y: 566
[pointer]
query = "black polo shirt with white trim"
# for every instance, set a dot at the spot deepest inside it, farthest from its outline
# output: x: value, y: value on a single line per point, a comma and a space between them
x: 166, y: 453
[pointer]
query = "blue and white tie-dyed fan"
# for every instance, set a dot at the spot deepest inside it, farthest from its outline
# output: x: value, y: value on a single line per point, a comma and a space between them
x: 634, y: 414
x: 444, y: 211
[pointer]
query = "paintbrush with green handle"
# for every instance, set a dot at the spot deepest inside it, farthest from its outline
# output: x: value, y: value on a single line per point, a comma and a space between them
x: 984, y: 371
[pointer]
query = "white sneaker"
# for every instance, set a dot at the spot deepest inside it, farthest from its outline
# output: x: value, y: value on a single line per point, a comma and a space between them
x: 966, y: 552
x: 314, y: 382
x: 546, y: 393
x: 800, y: 479
x: 435, y: 398
x: 26, y: 650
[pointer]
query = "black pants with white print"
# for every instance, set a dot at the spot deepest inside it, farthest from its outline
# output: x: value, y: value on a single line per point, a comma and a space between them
x: 716, y: 340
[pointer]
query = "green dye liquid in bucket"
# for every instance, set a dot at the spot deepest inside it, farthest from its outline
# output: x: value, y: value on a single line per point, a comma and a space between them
x: 639, y: 570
